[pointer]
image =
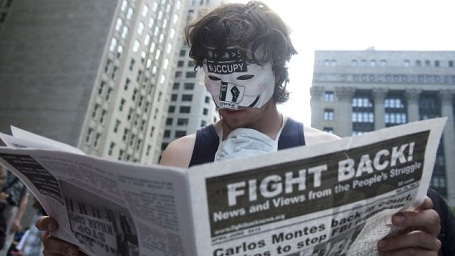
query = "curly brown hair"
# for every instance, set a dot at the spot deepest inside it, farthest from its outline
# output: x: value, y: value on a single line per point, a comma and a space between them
x: 251, y: 27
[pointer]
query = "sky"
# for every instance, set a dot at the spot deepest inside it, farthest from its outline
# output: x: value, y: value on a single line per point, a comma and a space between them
x: 357, y: 25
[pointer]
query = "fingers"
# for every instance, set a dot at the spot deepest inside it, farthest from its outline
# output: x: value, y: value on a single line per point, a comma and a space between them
x: 412, y: 243
x: 426, y: 220
x: 427, y: 204
x: 54, y: 246
x: 46, y: 223
x: 418, y: 235
x: 57, y: 247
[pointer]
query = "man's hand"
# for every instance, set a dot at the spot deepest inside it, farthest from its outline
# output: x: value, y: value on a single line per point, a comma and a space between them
x: 420, y: 229
x: 52, y: 245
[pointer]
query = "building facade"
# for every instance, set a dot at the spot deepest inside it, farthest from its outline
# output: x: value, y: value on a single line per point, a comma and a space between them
x: 191, y: 106
x: 354, y: 92
x: 93, y: 74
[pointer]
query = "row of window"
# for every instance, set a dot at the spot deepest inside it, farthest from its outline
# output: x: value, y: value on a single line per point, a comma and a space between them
x: 390, y: 118
x: 384, y: 63
x: 366, y: 102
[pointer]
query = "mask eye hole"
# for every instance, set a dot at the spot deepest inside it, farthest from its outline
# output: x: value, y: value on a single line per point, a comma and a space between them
x: 214, y: 78
x: 245, y: 77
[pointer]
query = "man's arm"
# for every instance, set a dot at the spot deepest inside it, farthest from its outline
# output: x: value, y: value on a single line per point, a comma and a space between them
x: 20, y: 213
x: 178, y: 153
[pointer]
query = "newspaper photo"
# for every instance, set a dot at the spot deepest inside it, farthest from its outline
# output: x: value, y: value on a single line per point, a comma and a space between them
x: 332, y: 198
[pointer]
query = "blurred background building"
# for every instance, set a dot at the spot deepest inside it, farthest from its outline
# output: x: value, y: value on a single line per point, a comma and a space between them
x: 355, y: 92
x: 101, y: 75
x: 191, y: 106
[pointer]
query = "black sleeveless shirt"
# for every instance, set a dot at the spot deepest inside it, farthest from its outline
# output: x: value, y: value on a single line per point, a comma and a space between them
x: 207, y: 141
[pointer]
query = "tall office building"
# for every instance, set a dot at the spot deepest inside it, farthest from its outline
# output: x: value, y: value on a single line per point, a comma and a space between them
x: 354, y: 92
x: 191, y: 105
x: 93, y: 74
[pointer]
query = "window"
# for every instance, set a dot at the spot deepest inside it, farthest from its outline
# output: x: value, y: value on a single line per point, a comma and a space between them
x: 328, y: 130
x: 118, y: 24
x: 171, y: 109
x: 111, y: 148
x: 97, y: 139
x: 119, y: 51
x: 176, y: 86
x: 362, y: 113
x: 179, y: 134
x: 114, y: 72
x: 207, y: 99
x: 182, y: 53
x: 127, y: 83
x: 167, y: 134
x: 188, y: 86
x: 362, y: 117
x: 88, y: 135
x: 116, y: 126
x: 329, y: 96
x: 136, y: 45
x: 174, y: 97
x: 187, y: 97
x: 124, y: 32
x: 101, y: 88
x: 145, y: 10
x: 182, y: 121
x: 113, y: 44
x: 178, y: 74
x: 95, y: 111
x: 185, y: 109
x: 205, y: 111
x: 180, y: 63
x: 393, y: 103
x: 132, y: 64
x: 362, y: 102
x: 169, y: 121
x: 328, y: 114
x: 122, y: 104
x: 190, y: 74
x: 103, y: 116
x: 106, y: 67
x: 129, y: 14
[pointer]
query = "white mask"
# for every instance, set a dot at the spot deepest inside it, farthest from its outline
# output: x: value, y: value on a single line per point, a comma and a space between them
x: 234, y: 83
x: 244, y: 142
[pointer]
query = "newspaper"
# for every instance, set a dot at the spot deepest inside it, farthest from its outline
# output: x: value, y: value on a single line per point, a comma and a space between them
x: 333, y: 198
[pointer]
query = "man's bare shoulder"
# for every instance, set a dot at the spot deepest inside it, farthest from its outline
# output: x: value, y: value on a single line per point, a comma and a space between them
x: 315, y: 136
x: 178, y: 153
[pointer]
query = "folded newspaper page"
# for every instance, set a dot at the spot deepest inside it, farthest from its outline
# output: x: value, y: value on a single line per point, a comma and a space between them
x: 333, y: 198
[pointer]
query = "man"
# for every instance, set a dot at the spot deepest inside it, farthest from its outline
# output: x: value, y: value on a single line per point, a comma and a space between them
x: 243, y: 50
x: 15, y: 197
